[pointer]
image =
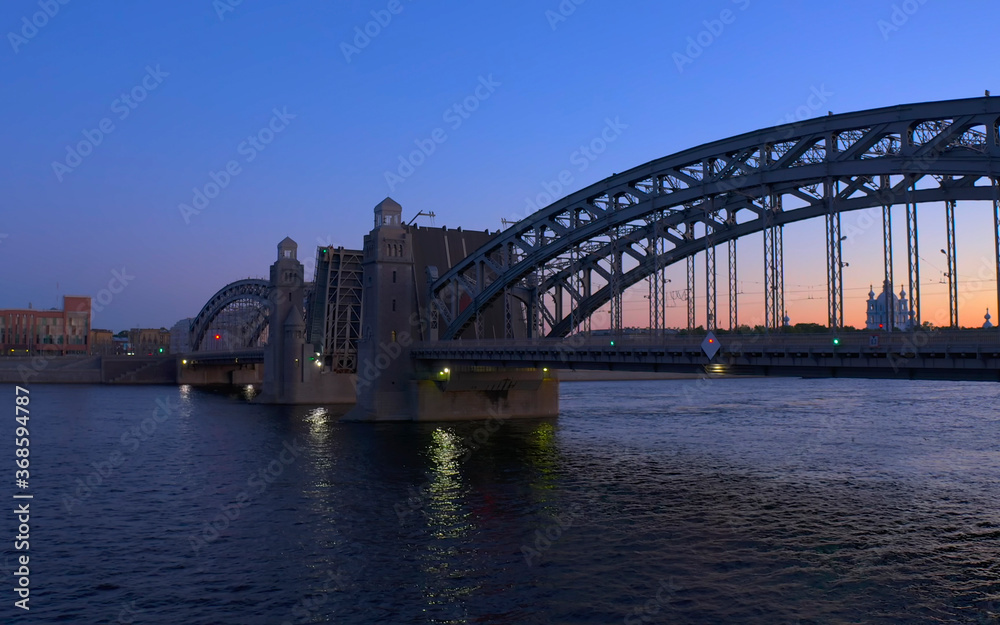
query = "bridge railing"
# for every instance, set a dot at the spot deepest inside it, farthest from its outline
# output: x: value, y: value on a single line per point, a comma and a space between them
x: 897, y: 342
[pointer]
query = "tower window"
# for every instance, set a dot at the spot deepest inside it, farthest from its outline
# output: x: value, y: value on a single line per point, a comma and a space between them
x: 394, y: 276
x: 393, y: 305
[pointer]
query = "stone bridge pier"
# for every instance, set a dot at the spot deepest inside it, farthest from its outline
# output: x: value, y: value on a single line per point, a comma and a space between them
x: 391, y: 385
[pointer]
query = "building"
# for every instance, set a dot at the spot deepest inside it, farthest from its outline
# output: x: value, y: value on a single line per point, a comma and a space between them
x: 149, y: 341
x: 887, y: 311
x: 29, y: 331
x: 180, y: 337
x: 102, y: 342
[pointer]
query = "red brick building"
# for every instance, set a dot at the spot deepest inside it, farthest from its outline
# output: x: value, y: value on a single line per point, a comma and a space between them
x: 30, y: 331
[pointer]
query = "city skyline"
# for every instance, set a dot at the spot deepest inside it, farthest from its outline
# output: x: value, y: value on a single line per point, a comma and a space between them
x: 114, y: 156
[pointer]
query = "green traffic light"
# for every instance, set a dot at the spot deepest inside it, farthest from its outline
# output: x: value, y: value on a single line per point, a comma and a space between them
x: 612, y: 343
x: 836, y: 341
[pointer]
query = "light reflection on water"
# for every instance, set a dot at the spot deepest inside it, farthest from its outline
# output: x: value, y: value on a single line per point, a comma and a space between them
x: 757, y: 501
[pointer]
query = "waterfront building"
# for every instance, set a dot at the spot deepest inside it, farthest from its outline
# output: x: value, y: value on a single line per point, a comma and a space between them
x: 25, y: 331
x: 149, y: 341
x: 102, y: 342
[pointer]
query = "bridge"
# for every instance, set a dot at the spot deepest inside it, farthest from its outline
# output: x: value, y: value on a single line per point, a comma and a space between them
x: 378, y: 325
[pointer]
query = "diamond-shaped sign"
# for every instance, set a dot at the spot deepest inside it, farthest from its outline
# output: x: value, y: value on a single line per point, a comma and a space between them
x: 710, y: 346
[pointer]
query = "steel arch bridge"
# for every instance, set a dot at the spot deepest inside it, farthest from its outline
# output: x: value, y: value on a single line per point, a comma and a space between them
x: 569, y: 259
x: 241, y: 310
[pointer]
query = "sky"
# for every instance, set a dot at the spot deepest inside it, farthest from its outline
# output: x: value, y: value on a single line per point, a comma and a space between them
x: 121, y: 118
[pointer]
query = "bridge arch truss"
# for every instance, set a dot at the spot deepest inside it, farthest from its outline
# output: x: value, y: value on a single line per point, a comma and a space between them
x: 575, y: 256
x: 239, y: 314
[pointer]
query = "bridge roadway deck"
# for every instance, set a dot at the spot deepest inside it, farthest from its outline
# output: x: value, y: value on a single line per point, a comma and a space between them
x: 936, y: 354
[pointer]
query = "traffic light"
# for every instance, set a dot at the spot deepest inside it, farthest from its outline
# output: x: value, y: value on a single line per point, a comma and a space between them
x: 218, y: 336
x: 161, y: 350
x: 612, y: 343
x: 836, y: 341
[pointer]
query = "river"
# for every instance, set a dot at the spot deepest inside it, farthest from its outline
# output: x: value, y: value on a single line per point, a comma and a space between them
x: 724, y: 501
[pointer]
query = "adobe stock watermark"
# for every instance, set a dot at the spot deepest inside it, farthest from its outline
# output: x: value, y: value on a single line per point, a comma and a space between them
x: 259, y: 481
x: 454, y: 116
x: 310, y: 606
x: 714, y: 28
x: 249, y: 149
x: 129, y: 442
x: 649, y: 612
x: 817, y: 100
x: 118, y: 282
x: 365, y: 34
x: 225, y: 6
x: 122, y: 106
x: 562, y: 13
x: 128, y: 613
x: 545, y: 538
x: 901, y: 14
x: 31, y: 26
x: 388, y: 352
x: 581, y: 159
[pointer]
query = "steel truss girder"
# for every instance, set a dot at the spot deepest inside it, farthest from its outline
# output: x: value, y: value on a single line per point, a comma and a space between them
x: 955, y: 140
x: 254, y: 290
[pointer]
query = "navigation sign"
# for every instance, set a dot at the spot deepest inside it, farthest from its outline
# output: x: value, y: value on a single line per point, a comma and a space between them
x: 710, y: 346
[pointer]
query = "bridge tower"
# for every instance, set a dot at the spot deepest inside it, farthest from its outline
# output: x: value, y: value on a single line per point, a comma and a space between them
x: 384, y: 367
x: 391, y: 384
x: 287, y: 294
x: 286, y: 356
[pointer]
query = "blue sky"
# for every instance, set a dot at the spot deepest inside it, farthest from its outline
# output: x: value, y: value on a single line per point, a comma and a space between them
x: 216, y: 74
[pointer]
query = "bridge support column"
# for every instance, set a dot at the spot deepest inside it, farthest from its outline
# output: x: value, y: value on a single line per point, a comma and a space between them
x: 446, y: 395
x: 391, y: 385
x: 734, y: 285
x: 952, y: 254
x: 690, y: 292
x: 888, y: 286
x: 996, y: 234
x: 834, y: 258
x: 292, y: 368
x: 385, y: 371
x: 774, y: 265
x: 711, y: 298
x: 913, y: 259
